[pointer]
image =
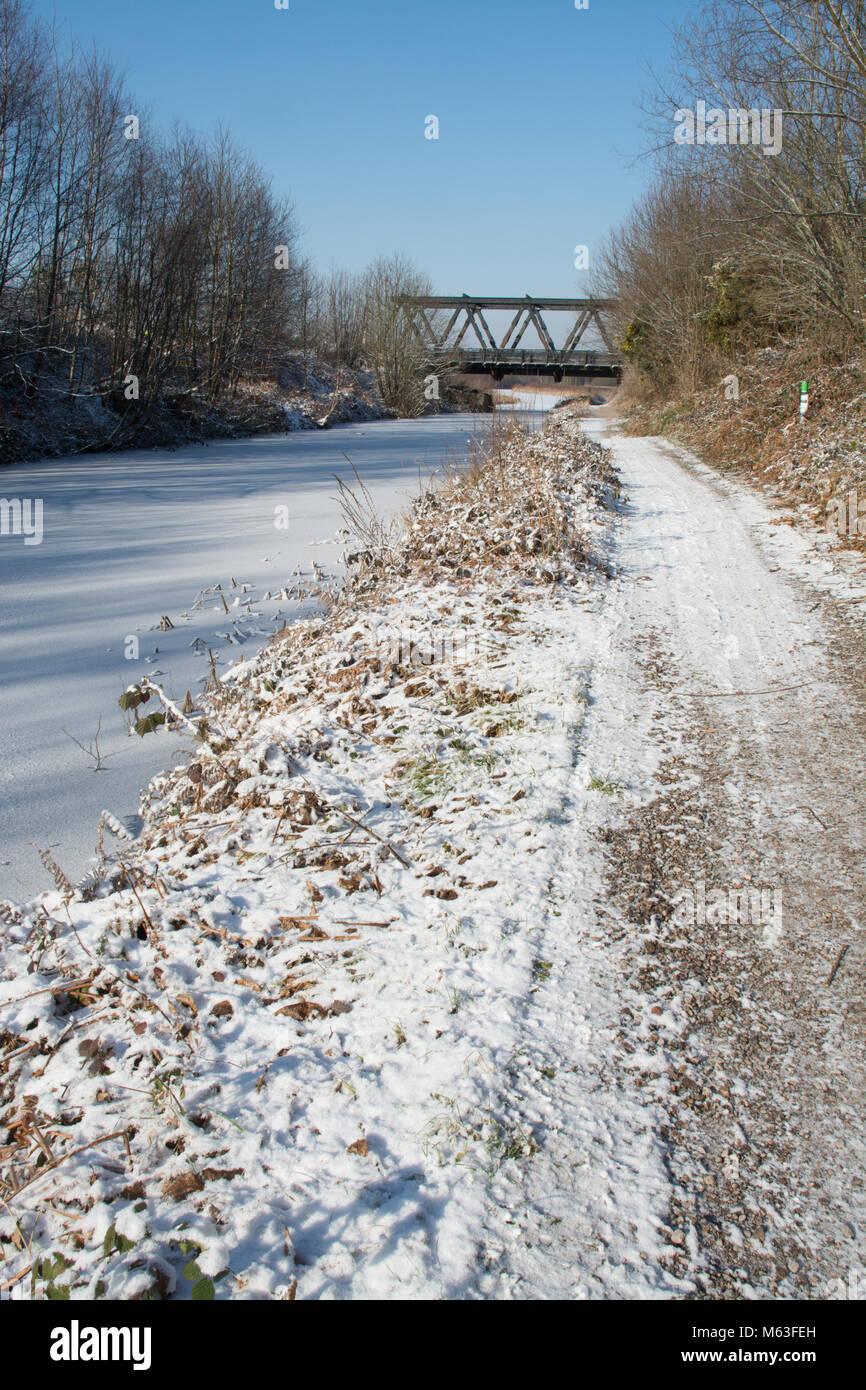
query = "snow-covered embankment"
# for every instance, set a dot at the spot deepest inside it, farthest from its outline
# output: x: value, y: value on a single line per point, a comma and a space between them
x: 284, y: 1044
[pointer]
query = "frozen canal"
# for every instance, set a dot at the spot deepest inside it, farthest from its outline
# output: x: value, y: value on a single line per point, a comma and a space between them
x: 136, y: 537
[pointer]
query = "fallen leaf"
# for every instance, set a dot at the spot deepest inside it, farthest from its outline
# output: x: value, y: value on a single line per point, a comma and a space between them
x: 182, y: 1186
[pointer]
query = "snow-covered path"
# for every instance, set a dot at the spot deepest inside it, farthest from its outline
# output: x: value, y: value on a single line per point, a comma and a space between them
x: 727, y: 717
x: 522, y: 964
x: 137, y: 536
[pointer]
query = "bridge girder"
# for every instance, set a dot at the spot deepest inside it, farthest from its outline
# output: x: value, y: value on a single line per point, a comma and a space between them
x: 528, y: 312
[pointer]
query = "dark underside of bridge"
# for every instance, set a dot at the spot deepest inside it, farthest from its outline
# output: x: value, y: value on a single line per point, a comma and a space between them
x: 557, y: 370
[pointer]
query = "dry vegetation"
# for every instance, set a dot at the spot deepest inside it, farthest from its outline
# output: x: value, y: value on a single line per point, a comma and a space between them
x: 119, y: 1171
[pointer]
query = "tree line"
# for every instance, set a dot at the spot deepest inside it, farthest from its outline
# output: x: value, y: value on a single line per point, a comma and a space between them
x: 136, y: 265
x: 753, y: 230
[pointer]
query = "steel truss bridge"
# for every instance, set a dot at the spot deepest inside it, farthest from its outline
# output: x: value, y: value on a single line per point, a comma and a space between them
x: 445, y: 325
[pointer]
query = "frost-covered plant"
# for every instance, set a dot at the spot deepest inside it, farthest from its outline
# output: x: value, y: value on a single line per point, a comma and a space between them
x: 131, y: 699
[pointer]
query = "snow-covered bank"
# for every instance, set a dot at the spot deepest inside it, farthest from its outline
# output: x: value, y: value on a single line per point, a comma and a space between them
x: 517, y: 398
x: 307, y: 394
x: 526, y: 398
x: 220, y: 540
x: 307, y: 1036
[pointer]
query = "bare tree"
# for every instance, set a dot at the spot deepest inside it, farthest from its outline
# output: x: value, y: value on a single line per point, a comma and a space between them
x: 742, y: 242
x: 23, y: 94
x: 144, y: 269
x: 342, y: 327
x: 393, y: 349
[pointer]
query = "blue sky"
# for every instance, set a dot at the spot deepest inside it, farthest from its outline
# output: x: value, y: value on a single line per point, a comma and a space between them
x: 540, y: 129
